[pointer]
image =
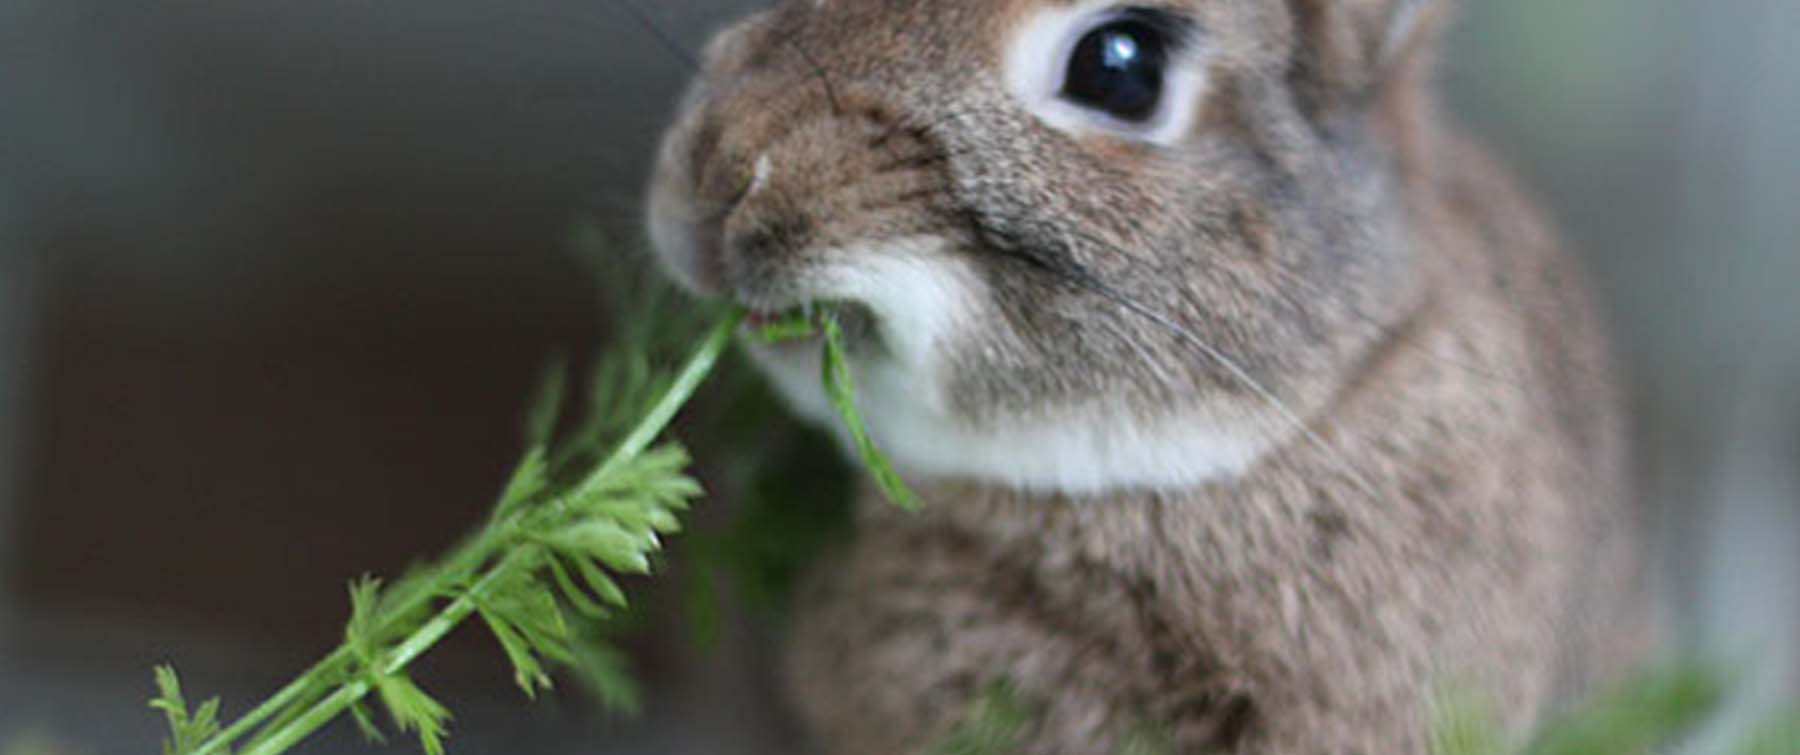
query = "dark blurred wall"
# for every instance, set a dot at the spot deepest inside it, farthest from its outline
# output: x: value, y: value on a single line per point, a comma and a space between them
x: 17, y: 306
x: 299, y: 263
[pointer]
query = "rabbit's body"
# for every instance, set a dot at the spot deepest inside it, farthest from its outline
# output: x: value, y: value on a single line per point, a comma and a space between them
x: 1260, y: 420
x: 1282, y: 612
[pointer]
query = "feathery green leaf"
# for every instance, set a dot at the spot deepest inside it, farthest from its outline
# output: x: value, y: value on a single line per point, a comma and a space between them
x: 540, y: 421
x: 365, y: 723
x: 414, y: 711
x: 186, y: 731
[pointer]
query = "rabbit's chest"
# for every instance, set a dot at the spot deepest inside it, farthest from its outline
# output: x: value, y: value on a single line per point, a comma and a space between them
x: 910, y: 626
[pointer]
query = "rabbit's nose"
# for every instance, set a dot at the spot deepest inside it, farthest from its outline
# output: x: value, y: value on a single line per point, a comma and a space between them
x: 719, y: 205
x: 698, y: 181
x: 774, y: 215
x: 826, y: 179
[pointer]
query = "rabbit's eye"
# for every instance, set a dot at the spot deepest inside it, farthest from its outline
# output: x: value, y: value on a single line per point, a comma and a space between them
x: 1130, y: 72
x: 1118, y: 69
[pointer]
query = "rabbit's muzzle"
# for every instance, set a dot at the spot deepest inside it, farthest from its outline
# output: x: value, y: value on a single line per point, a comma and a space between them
x: 757, y: 190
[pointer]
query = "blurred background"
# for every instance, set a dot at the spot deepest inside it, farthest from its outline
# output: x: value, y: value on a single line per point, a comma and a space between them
x: 276, y: 280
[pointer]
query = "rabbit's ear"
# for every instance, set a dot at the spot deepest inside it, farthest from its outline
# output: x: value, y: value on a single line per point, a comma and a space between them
x: 1355, y: 48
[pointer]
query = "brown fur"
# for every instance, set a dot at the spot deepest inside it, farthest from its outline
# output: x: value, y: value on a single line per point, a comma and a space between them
x: 1452, y: 513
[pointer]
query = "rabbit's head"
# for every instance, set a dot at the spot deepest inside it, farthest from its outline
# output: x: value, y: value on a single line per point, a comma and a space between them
x: 1078, y: 245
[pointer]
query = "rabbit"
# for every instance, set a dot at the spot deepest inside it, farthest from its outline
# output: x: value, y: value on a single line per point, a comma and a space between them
x: 1249, y: 401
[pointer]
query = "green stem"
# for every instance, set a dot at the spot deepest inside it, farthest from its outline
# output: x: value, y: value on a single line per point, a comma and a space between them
x: 409, y: 650
x: 275, y: 704
x: 653, y: 424
x: 686, y: 383
x: 464, y: 560
x: 312, y: 720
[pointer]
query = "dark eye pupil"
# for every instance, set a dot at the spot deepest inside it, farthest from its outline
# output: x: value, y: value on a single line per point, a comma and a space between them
x: 1118, y: 68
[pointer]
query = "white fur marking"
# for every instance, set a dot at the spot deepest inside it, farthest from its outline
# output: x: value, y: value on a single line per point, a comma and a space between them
x: 924, y: 298
x: 1401, y: 29
x: 759, y: 176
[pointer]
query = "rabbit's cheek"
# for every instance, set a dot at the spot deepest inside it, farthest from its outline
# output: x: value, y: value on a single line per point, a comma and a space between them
x: 683, y: 235
x: 920, y: 295
x: 933, y: 320
x: 683, y: 241
x: 1090, y: 450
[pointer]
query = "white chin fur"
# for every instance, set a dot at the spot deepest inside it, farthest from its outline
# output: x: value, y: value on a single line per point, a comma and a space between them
x: 921, y: 298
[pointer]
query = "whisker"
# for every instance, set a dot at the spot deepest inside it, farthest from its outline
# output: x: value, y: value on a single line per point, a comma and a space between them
x: 649, y: 24
x: 1337, y: 457
x: 1088, y: 282
x: 837, y: 108
x: 1386, y: 331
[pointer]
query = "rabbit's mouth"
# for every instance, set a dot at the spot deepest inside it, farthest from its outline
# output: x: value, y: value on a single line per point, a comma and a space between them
x: 896, y: 302
x: 802, y: 325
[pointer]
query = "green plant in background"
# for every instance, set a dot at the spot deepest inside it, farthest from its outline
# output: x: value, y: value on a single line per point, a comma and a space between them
x: 1778, y: 736
x: 1000, y: 720
x: 1655, y: 710
x: 996, y: 722
x: 791, y: 502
